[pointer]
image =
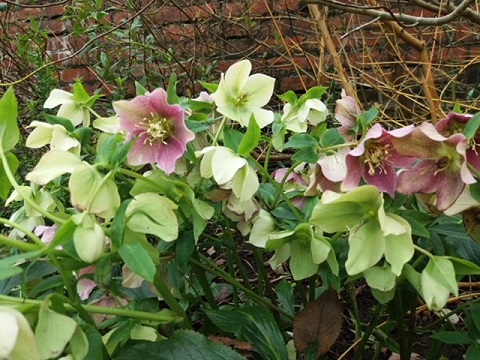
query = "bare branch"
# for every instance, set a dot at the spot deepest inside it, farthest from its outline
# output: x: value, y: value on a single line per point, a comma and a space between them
x: 389, y: 16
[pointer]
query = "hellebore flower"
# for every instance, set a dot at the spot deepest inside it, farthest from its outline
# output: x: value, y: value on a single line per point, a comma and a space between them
x: 239, y: 96
x: 70, y: 108
x: 17, y: 341
x: 328, y: 173
x: 296, y: 118
x: 373, y: 233
x: 441, y: 167
x: 54, y: 135
x: 159, y: 129
x: 455, y: 123
x: 346, y: 112
x: 229, y: 170
x: 375, y: 160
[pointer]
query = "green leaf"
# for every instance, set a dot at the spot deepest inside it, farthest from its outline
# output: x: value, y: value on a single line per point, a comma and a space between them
x: 285, y: 296
x: 9, y: 265
x: 301, y: 263
x: 118, y: 224
x: 138, y: 260
x: 441, y: 270
x: 331, y: 137
x: 232, y: 138
x: 301, y: 141
x: 452, y: 337
x: 172, y: 97
x: 66, y: 123
x: 5, y: 184
x: 63, y: 234
x: 251, y: 138
x: 184, y: 247
x: 289, y: 97
x: 140, y: 89
x: 184, y: 345
x: 473, y: 352
x: 464, y: 267
x: 83, y: 135
x: 209, y: 86
x: 80, y: 95
x: 472, y: 126
x: 380, y: 278
x: 315, y: 92
x: 9, y: 133
x: 255, y: 325
x: 308, y: 155
x: 368, y: 116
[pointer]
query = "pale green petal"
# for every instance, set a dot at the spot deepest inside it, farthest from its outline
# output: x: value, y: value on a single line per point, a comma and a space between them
x: 61, y: 140
x: 259, y: 88
x: 281, y: 255
x: 301, y: 264
x: 335, y: 216
x: 434, y: 294
x: 110, y: 125
x: 399, y: 249
x: 206, y: 169
x: 237, y: 75
x: 225, y: 164
x: 40, y: 136
x: 367, y: 245
x: 380, y: 278
x: 89, y: 242
x: 75, y: 113
x: 320, y: 249
x: 245, y: 183
x: 53, y: 164
x: 57, y: 97
x: 394, y: 225
x: 262, y: 117
x: 263, y: 226
x: 318, y: 112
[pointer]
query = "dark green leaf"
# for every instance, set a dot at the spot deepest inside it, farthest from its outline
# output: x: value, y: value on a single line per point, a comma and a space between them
x: 138, y: 260
x: 103, y: 271
x: 66, y: 123
x: 197, y: 126
x: 331, y: 137
x: 184, y: 247
x: 301, y: 141
x: 473, y: 352
x: 63, y: 234
x: 308, y: 155
x: 5, y: 184
x: 285, y: 296
x: 9, y: 133
x: 452, y: 337
x: 83, y: 135
x: 183, y: 345
x: 9, y: 266
x: 268, y: 193
x: 368, y: 116
x: 232, y: 138
x: 254, y: 325
x: 118, y: 224
x: 96, y: 349
x: 251, y: 138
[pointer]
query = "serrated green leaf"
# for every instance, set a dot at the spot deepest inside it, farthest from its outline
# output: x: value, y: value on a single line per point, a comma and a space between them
x: 301, y: 141
x: 254, y: 325
x: 472, y: 126
x: 184, y: 345
x: 9, y: 132
x: 308, y: 155
x: 331, y: 137
x: 138, y: 260
x: 251, y: 138
x: 5, y: 184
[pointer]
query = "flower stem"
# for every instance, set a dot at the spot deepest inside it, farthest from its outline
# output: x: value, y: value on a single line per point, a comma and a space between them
x: 220, y: 128
x: 422, y: 250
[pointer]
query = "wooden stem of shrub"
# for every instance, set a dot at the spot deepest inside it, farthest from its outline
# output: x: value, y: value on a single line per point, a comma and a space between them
x: 321, y: 20
x: 428, y: 82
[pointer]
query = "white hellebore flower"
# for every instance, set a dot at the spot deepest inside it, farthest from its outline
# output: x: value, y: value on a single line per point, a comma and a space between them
x: 229, y: 170
x: 240, y: 95
x: 76, y: 112
x: 17, y: 341
x: 54, y: 135
x: 295, y: 117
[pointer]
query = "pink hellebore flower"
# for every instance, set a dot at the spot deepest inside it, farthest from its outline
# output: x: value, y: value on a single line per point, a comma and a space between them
x: 346, y: 112
x: 85, y: 285
x: 375, y: 160
x: 455, y: 123
x: 441, y: 167
x: 159, y: 129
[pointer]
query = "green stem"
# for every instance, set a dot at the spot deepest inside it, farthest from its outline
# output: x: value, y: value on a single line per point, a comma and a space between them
x: 220, y: 128
x: 284, y: 180
x: 27, y: 233
x: 368, y: 332
x: 26, y: 198
x: 17, y: 244
x: 133, y: 314
x: 422, y: 251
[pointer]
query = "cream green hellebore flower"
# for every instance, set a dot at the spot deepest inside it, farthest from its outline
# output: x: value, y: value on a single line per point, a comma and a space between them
x: 88, y: 238
x: 69, y: 109
x: 54, y: 135
x: 305, y: 246
x: 373, y: 234
x: 240, y: 95
x: 295, y: 117
x: 229, y: 170
x: 17, y: 341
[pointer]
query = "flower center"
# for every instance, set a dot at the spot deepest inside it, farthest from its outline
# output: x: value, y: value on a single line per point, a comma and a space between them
x: 158, y: 128
x: 376, y: 154
x: 442, y: 164
x: 241, y: 99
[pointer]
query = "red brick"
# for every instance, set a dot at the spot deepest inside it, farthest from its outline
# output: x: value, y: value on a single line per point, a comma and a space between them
x: 259, y: 7
x: 54, y: 11
x: 27, y: 13
x: 69, y: 75
x: 282, y: 5
x: 53, y: 26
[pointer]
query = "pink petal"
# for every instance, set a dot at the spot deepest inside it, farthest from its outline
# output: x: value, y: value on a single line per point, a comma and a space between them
x: 354, y: 173
x: 385, y: 181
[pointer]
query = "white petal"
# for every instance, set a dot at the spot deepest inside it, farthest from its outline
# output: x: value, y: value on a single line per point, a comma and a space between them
x: 237, y: 75
x: 245, y: 183
x: 262, y: 227
x: 263, y: 117
x: 8, y: 334
x: 259, y: 88
x: 333, y: 166
x: 57, y: 97
x: 40, y: 136
x: 225, y: 164
x: 75, y: 113
x: 61, y: 141
x: 53, y: 164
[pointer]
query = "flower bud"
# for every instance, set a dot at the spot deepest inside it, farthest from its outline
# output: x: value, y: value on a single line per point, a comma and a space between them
x: 88, y: 238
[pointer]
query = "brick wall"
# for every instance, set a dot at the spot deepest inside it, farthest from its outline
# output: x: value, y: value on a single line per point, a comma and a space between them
x: 194, y: 38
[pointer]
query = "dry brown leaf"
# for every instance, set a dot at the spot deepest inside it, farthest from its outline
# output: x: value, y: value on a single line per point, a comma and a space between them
x: 320, y: 321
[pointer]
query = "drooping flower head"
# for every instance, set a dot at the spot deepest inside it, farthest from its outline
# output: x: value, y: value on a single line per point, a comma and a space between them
x: 455, y: 123
x: 158, y: 127
x: 240, y: 95
x: 346, y: 112
x: 296, y: 116
x: 375, y: 160
x: 441, y: 167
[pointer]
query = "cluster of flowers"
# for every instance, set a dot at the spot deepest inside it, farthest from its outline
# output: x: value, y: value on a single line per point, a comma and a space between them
x: 346, y: 179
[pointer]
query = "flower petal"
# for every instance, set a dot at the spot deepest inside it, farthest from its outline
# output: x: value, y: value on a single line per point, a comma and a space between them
x: 57, y: 97
x: 259, y: 88
x: 51, y: 165
x: 225, y: 164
